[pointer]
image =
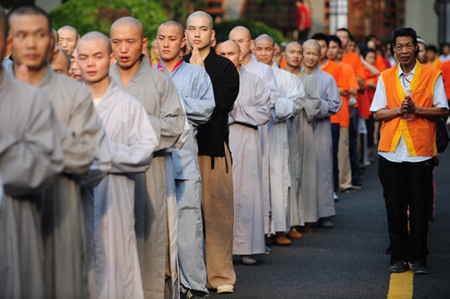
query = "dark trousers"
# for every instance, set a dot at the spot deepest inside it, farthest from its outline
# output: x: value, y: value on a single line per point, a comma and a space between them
x: 353, y: 145
x: 335, y: 132
x: 407, y: 184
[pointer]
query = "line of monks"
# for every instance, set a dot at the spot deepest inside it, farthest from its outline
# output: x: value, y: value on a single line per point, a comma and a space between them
x: 147, y: 176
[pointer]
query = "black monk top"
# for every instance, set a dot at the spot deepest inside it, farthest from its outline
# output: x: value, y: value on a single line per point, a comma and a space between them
x: 225, y: 80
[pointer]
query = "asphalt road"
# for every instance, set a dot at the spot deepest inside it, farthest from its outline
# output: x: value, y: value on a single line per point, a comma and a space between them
x: 349, y: 261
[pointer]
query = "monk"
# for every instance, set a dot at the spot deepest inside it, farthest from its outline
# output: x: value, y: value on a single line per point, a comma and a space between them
x: 251, y: 109
x: 284, y: 175
x: 330, y: 104
x: 242, y: 36
x: 155, y: 211
x: 214, y: 153
x: 132, y: 140
x: 304, y: 210
x: 30, y: 158
x: 60, y: 61
x: 196, y: 93
x: 60, y: 204
x: 67, y: 38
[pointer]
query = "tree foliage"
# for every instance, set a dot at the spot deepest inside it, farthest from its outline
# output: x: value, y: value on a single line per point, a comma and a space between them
x: 90, y: 15
x: 256, y: 28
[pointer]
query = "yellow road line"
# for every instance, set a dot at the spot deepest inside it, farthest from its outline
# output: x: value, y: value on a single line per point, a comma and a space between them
x: 401, y: 285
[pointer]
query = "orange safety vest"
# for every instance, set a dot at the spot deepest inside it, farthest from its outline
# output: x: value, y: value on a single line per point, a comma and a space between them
x: 419, y: 134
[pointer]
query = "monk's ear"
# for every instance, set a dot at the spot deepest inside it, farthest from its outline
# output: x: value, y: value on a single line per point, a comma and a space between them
x: 112, y: 59
x: 9, y: 49
x: 213, y: 34
x: 144, y: 43
x: 241, y: 55
x: 252, y: 46
x: 183, y: 42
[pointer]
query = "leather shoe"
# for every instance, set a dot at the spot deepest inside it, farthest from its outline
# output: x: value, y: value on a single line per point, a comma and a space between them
x: 399, y: 267
x: 282, y: 240
x: 294, y: 234
x: 419, y: 267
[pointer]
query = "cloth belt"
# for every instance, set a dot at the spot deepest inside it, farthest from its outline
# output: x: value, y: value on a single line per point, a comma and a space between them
x: 245, y: 125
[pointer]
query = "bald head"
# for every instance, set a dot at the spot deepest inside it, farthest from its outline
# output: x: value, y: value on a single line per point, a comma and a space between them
x: 69, y: 28
x: 67, y: 38
x: 128, y: 22
x: 180, y: 28
x: 200, y: 14
x: 60, y: 62
x: 98, y: 37
x: 241, y: 31
x: 230, y: 44
x: 311, y: 43
x: 266, y: 38
x: 292, y: 44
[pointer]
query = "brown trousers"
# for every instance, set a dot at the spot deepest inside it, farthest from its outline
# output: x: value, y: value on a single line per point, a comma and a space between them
x: 218, y: 215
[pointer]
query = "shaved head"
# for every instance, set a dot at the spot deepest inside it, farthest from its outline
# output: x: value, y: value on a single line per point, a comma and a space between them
x: 96, y: 36
x: 240, y: 29
x: 311, y: 43
x: 231, y: 42
x: 201, y: 14
x: 292, y: 44
x: 175, y: 24
x: 68, y: 27
x: 128, y: 22
x: 265, y: 37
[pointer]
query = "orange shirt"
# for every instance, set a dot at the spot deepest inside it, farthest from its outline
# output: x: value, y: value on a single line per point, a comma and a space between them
x: 343, y: 116
x: 370, y: 90
x: 436, y: 63
x: 446, y: 77
x: 354, y: 61
x: 335, y: 70
x: 379, y: 63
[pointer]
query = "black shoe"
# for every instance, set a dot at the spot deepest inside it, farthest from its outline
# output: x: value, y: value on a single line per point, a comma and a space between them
x: 419, y: 267
x: 350, y: 190
x: 399, y: 267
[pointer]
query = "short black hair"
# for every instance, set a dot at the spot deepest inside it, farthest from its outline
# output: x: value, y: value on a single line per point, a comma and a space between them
x: 337, y: 40
x: 346, y: 30
x: 369, y: 38
x: 432, y: 48
x: 29, y: 10
x: 401, y: 32
x: 367, y: 51
x: 321, y: 36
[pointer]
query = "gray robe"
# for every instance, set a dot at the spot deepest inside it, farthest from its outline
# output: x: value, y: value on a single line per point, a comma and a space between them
x: 132, y: 140
x: 251, y: 109
x: 157, y: 93
x: 31, y: 156
x: 195, y: 91
x: 330, y: 104
x: 288, y: 104
x: 266, y: 73
x: 61, y: 206
x: 307, y: 200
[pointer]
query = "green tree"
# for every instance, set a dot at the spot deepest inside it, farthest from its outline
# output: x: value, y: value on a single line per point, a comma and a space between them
x: 90, y: 15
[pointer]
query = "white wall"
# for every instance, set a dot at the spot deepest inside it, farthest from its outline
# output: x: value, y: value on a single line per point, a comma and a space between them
x: 420, y: 15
